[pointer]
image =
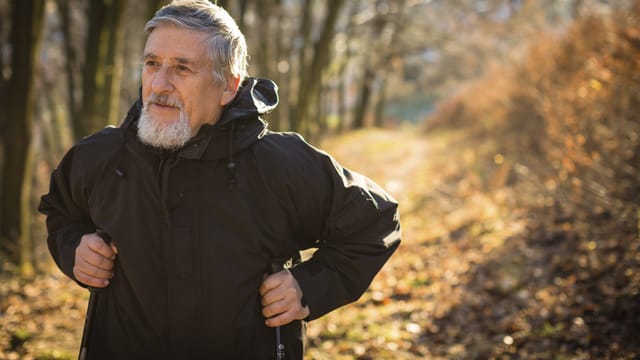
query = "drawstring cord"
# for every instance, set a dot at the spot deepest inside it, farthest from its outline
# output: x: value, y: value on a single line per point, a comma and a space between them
x: 231, y: 165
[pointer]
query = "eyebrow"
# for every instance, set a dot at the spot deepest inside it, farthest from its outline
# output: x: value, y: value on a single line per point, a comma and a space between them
x: 149, y: 55
x: 179, y: 60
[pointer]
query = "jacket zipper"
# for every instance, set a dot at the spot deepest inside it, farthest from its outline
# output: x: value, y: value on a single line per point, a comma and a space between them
x: 162, y: 178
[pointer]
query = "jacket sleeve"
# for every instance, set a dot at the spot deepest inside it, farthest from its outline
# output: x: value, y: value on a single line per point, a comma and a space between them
x: 67, y: 215
x: 356, y: 226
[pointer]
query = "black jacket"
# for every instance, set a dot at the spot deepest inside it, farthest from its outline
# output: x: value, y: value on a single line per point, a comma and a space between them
x: 197, y: 228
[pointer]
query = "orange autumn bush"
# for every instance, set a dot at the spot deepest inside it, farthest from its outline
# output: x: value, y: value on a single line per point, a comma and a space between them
x: 569, y: 112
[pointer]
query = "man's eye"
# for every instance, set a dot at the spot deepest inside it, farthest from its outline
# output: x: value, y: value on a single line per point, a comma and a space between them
x: 151, y: 63
x: 183, y: 68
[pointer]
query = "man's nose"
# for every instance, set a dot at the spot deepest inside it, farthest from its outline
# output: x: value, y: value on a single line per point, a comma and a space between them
x: 161, y: 82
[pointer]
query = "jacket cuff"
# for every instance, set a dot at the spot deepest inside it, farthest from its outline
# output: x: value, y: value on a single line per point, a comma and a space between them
x: 313, y: 282
x: 68, y: 240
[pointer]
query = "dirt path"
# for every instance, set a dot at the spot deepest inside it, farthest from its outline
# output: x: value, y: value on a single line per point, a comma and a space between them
x: 441, y: 211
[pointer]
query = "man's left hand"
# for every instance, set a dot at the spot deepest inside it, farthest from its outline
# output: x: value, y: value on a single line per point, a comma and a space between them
x: 282, y: 299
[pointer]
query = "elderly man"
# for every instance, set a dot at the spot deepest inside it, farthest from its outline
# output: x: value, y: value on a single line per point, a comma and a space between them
x: 200, y: 200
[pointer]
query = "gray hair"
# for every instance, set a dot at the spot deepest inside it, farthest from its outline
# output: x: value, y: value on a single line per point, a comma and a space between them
x: 226, y: 45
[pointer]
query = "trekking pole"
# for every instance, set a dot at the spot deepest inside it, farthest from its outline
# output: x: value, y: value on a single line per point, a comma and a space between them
x: 91, y: 307
x: 277, y: 266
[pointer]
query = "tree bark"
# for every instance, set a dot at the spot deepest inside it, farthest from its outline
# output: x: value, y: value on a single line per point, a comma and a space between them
x: 71, y: 60
x: 311, y: 76
x: 279, y: 118
x: 15, y: 209
x: 365, y: 97
x: 4, y: 82
x: 265, y: 8
x: 378, y: 114
x: 103, y: 67
x: 244, y: 4
x: 343, y: 107
x: 155, y: 5
x: 305, y: 34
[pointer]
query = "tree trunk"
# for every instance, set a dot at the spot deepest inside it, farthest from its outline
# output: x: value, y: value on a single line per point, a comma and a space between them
x: 4, y: 86
x: 15, y: 209
x: 155, y: 5
x: 56, y: 135
x: 278, y: 119
x: 378, y: 114
x: 103, y: 67
x: 322, y: 109
x: 311, y: 76
x: 299, y: 82
x: 264, y: 59
x: 365, y: 98
x: 343, y: 107
x: 71, y: 60
x: 244, y: 4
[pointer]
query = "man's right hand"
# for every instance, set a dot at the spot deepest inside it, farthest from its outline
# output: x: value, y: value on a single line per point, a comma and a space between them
x: 94, y: 261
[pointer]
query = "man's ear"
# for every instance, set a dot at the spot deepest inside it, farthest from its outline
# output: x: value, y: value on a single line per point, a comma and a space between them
x: 230, y: 92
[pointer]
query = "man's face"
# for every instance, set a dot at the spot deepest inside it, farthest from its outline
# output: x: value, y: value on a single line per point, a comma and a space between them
x: 177, y: 82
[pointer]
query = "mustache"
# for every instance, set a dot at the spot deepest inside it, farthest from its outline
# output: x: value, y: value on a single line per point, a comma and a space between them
x: 163, y: 99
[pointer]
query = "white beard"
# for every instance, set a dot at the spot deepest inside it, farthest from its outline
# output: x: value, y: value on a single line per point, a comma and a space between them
x: 169, y: 136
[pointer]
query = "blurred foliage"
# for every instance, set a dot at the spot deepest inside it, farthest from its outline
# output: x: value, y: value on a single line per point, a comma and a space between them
x: 567, y: 118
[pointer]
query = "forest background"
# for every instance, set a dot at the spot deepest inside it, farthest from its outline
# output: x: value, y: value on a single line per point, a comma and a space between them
x: 513, y: 127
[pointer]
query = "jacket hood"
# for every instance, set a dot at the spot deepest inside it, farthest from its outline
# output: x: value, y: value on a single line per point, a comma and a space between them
x: 255, y: 97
